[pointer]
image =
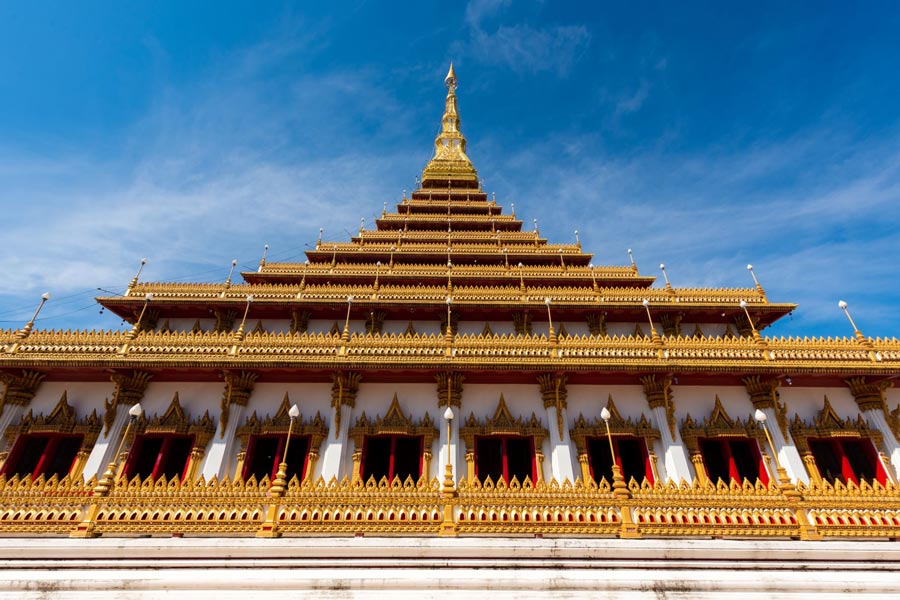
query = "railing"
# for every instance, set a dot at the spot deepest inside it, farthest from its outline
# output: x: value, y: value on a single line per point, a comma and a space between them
x: 216, y: 508
x: 593, y: 351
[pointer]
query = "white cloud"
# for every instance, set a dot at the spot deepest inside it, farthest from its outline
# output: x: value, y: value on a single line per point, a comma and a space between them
x: 477, y: 10
x: 521, y: 47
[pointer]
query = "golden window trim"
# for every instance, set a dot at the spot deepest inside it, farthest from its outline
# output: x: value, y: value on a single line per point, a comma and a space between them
x: 585, y: 429
x: 394, y: 422
x: 175, y: 422
x: 315, y: 427
x: 503, y: 423
x: 61, y: 420
x: 719, y: 425
x: 829, y: 425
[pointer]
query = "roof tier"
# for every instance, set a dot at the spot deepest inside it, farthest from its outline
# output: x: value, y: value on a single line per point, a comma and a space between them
x: 448, y: 238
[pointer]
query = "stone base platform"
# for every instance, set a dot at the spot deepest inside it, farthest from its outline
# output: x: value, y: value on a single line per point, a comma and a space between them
x: 232, y: 568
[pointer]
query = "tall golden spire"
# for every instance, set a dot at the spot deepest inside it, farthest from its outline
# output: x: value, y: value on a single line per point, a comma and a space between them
x: 450, y: 165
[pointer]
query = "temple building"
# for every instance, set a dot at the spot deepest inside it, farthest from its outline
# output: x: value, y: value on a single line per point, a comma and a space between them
x: 449, y: 372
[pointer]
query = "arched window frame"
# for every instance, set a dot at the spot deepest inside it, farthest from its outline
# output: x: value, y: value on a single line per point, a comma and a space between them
x: 393, y: 423
x: 720, y: 426
x: 503, y: 424
x: 173, y: 422
x: 828, y: 425
x: 62, y: 421
x: 586, y: 430
x: 279, y: 424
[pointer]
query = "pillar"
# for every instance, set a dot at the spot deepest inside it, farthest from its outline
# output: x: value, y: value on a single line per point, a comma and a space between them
x: 344, y: 387
x: 659, y: 398
x: 221, y: 457
x: 764, y: 396
x: 555, y: 395
x: 128, y: 391
x: 870, y: 398
x: 449, y: 393
x: 18, y: 391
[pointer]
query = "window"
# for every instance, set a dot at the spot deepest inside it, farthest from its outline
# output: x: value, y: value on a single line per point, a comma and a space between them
x: 264, y: 453
x: 733, y: 458
x: 505, y: 457
x: 392, y: 456
x: 159, y: 456
x: 47, y: 454
x: 847, y: 460
x: 631, y: 456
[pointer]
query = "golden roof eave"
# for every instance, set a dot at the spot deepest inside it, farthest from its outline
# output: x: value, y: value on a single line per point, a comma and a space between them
x: 844, y: 356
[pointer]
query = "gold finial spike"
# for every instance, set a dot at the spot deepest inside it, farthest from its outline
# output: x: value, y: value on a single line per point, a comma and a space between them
x: 450, y: 79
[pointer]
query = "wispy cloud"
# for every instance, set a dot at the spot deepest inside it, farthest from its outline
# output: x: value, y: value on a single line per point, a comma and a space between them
x: 210, y: 173
x: 521, y: 47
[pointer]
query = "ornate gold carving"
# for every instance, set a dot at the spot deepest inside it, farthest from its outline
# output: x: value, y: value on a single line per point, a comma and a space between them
x: 718, y: 424
x: 869, y: 395
x: 129, y: 389
x: 18, y: 390
x: 671, y: 323
x: 238, y: 387
x: 62, y: 419
x: 375, y: 321
x: 555, y: 394
x: 224, y: 320
x: 299, y: 320
x: 487, y: 331
x: 453, y: 387
x: 764, y: 394
x: 522, y: 322
x: 502, y: 423
x: 344, y: 387
x: 498, y: 508
x: 829, y: 425
x: 171, y: 350
x: 316, y: 428
x: 450, y: 163
x: 658, y: 393
x: 585, y: 429
x: 394, y: 422
x: 596, y: 323
x: 347, y: 507
x: 410, y: 330
x: 175, y: 421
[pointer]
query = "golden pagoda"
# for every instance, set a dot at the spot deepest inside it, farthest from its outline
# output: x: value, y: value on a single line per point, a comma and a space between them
x: 447, y: 373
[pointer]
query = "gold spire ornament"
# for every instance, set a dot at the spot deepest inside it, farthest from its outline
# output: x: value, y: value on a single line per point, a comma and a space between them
x: 450, y: 166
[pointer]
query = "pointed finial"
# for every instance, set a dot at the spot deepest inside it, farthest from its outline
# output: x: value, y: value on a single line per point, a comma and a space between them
x: 450, y: 79
x: 856, y: 332
x: 262, y: 261
x: 134, y: 280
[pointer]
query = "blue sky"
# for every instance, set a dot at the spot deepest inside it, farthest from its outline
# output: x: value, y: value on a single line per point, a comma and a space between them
x: 702, y: 135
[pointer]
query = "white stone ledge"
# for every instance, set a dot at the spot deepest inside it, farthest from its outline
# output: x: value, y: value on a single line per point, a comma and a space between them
x: 445, y: 568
